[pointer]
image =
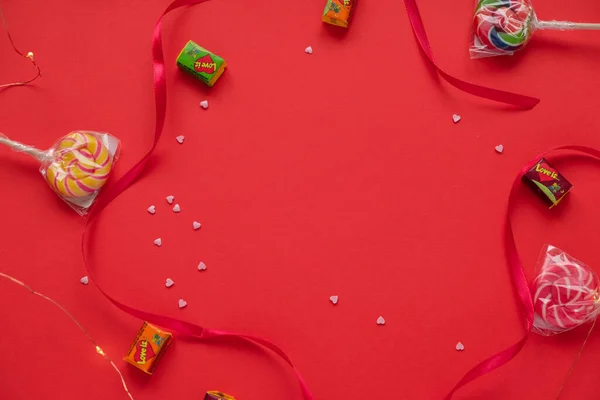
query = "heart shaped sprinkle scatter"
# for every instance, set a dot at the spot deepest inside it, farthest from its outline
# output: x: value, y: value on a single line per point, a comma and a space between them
x: 196, y: 225
x: 204, y: 104
x: 460, y: 346
x: 308, y: 50
x: 85, y: 280
x: 170, y: 199
x: 151, y: 209
x: 180, y: 139
x: 176, y: 208
x: 158, y: 242
x: 380, y: 321
x: 455, y: 118
x: 169, y: 282
x: 201, y: 266
x: 499, y: 148
x: 334, y: 299
x: 182, y: 303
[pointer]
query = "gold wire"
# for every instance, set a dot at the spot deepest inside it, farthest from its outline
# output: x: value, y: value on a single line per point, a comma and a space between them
x: 85, y: 332
x: 30, y: 56
x: 564, y: 382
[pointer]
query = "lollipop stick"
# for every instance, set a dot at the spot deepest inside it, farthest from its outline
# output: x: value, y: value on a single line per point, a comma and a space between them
x: 566, y: 25
x: 23, y: 148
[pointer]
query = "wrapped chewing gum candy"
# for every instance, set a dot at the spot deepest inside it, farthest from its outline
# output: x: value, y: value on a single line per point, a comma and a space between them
x: 337, y: 12
x: 547, y: 182
x: 201, y: 63
x: 148, y: 348
x: 214, y: 395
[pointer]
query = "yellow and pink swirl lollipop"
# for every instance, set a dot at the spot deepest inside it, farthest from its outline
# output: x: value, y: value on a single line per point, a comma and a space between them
x: 77, y: 166
x: 80, y: 165
x: 505, y: 26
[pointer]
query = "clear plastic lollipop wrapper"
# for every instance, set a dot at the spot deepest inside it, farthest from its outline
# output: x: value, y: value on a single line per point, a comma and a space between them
x: 566, y: 293
x: 502, y: 27
x: 76, y: 167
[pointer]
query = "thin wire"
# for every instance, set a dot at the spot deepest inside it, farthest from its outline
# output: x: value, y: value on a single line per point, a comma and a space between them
x: 29, y: 56
x: 564, y: 382
x: 85, y: 332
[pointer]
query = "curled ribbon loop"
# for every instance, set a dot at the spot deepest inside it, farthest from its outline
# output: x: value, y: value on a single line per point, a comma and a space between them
x: 517, y: 273
x: 110, y: 193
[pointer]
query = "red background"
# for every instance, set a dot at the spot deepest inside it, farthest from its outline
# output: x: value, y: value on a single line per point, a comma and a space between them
x: 335, y: 173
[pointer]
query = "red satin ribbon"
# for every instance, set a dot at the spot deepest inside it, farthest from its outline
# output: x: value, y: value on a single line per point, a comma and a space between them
x: 110, y: 193
x: 501, y: 96
x: 519, y: 280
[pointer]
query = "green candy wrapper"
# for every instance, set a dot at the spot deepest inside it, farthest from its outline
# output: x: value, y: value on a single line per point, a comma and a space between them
x: 201, y: 63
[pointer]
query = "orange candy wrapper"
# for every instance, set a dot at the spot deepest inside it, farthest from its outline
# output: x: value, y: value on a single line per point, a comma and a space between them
x: 337, y: 12
x: 148, y: 348
x: 214, y: 395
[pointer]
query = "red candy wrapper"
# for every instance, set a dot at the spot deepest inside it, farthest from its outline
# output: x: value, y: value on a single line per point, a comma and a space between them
x: 547, y: 182
x: 566, y: 293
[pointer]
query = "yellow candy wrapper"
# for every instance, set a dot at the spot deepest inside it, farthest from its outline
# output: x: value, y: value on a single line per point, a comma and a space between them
x: 148, y: 348
x: 338, y: 12
x: 214, y: 395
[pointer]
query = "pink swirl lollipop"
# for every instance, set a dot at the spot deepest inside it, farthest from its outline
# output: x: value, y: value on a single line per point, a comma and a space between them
x: 566, y: 294
x: 504, y: 26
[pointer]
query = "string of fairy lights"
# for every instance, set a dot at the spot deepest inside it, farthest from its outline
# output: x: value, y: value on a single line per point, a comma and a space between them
x: 79, y: 325
x: 30, y: 56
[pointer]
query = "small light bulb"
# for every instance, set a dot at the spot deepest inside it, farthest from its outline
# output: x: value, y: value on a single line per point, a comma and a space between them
x: 99, y: 351
x: 30, y: 55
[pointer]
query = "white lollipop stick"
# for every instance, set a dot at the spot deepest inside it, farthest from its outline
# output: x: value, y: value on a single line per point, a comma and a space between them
x: 40, y: 155
x: 566, y: 25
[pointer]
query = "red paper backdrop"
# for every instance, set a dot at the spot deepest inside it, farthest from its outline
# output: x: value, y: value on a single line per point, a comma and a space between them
x: 335, y: 173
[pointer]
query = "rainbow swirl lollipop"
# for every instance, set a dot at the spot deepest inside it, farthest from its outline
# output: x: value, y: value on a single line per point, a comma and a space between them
x: 505, y: 26
x: 502, y: 26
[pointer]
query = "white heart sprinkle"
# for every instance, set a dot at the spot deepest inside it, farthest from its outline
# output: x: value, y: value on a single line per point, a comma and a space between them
x: 380, y: 321
x: 180, y: 139
x: 170, y: 199
x: 308, y: 50
x: 84, y: 280
x: 460, y: 346
x: 196, y: 225
x: 334, y: 299
x: 204, y: 104
x: 455, y: 118
x: 499, y: 148
x: 201, y: 266
x: 151, y: 209
x: 182, y: 303
x: 176, y: 208
x: 169, y: 282
x: 158, y: 242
